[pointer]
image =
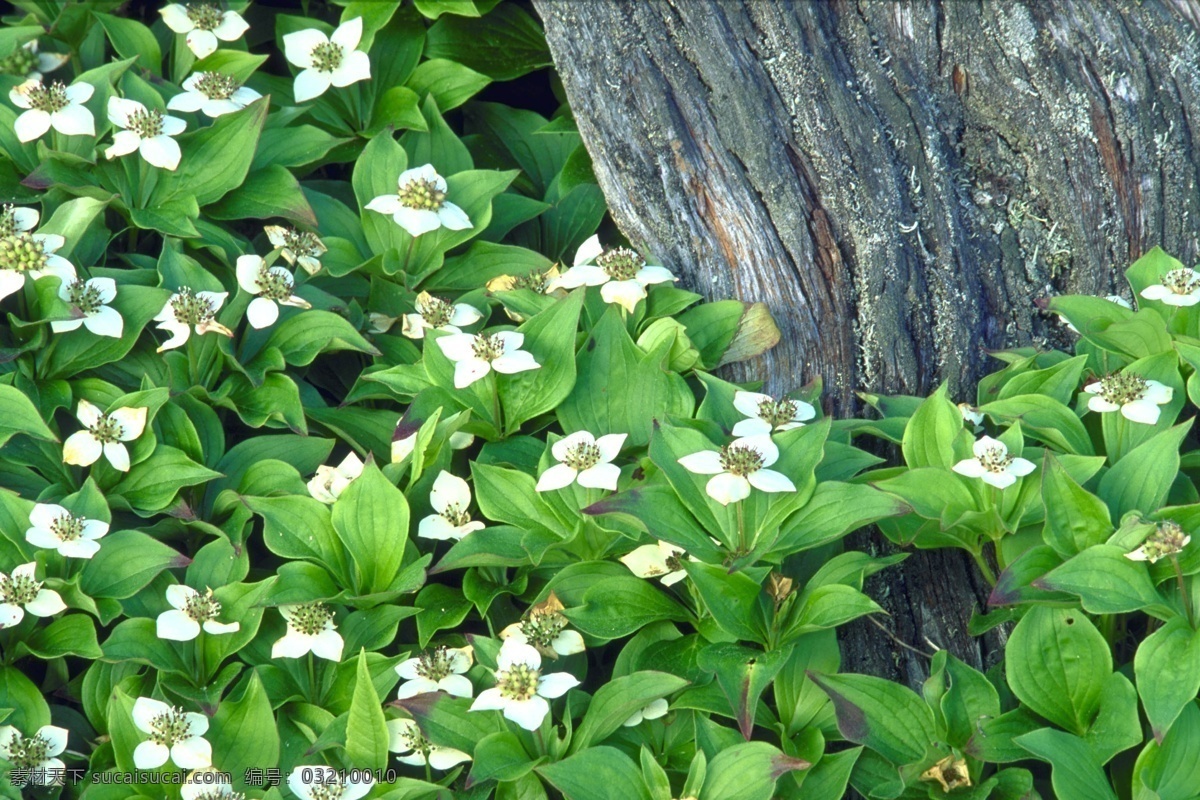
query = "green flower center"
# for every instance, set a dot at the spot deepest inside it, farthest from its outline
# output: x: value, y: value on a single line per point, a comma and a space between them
x: 8, y: 221
x: 327, y: 56
x: 28, y: 752
x: 435, y: 665
x: 275, y: 286
x: 311, y: 618
x: 19, y: 590
x: 536, y: 280
x: 204, y: 16
x: 995, y: 459
x: 301, y: 243
x: 456, y: 515
x: 107, y: 430
x: 1182, y: 281
x: 488, y: 348
x: 518, y: 682
x: 86, y: 298
x: 191, y: 309
x: 1121, y: 388
x: 202, y: 607
x: 21, y: 252
x: 542, y: 629
x: 413, y: 740
x: 674, y: 564
x: 1168, y: 539
x: 146, y: 124
x: 327, y: 791
x: 216, y: 794
x: 216, y: 85
x: 422, y: 195
x: 50, y: 98
x: 738, y: 459
x: 67, y: 528
x: 584, y: 455
x: 170, y: 727
x: 437, y: 312
x: 620, y: 263
x: 777, y: 412
x: 21, y: 61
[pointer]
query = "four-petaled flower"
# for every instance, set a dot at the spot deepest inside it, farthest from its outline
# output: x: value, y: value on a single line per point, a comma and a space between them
x: 737, y: 467
x: 1168, y: 540
x: 186, y: 310
x: 326, y: 61
x: 656, y: 561
x: 213, y: 93
x: 297, y: 247
x: 35, y: 756
x: 21, y: 592
x: 1137, y: 398
x: 521, y: 689
x: 545, y: 629
x: 204, y: 24
x: 439, y: 670
x: 585, y: 460
x: 329, y: 482
x: 475, y: 355
x: 55, y: 106
x: 273, y: 285
x: 621, y: 274
x: 421, y: 205
x: 91, y: 299
x: 31, y: 255
x: 310, y: 629
x: 146, y: 130
x: 26, y: 62
x: 1179, y: 287
x: 190, y: 611
x: 405, y: 739
x: 766, y: 414
x: 208, y: 784
x: 449, y: 497
x: 175, y: 735
x: 438, y: 314
x: 55, y: 528
x: 972, y: 415
x: 653, y: 710
x: 993, y: 464
x: 325, y: 783
x: 104, y: 433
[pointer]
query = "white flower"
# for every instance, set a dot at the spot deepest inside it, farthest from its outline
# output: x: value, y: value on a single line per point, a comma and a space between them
x: 309, y: 629
x: 213, y: 93
x: 439, y: 670
x: 204, y: 24
x: 28, y: 63
x: 521, y: 689
x: 37, y: 754
x: 326, y: 784
x: 329, y: 482
x: 175, y: 735
x: 434, y: 312
x: 31, y: 254
x: 53, y: 527
x: 584, y: 459
x: 297, y: 247
x: 449, y: 497
x: 656, y: 708
x: 545, y: 629
x: 104, y: 433
x: 20, y: 592
x: 91, y: 297
x: 404, y: 737
x: 326, y: 61
x: 972, y: 415
x: 1137, y: 398
x: 208, y: 784
x: 737, y: 467
x: 1168, y: 539
x: 1112, y: 298
x: 17, y: 220
x: 766, y: 414
x: 1179, y: 287
x: 191, y: 610
x: 54, y: 106
x: 186, y: 310
x: 621, y: 274
x: 273, y: 285
x: 656, y: 561
x: 475, y: 355
x: 148, y: 131
x: 993, y: 464
x: 421, y: 205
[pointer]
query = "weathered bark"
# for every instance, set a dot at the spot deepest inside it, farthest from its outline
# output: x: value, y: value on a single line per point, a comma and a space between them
x: 896, y: 180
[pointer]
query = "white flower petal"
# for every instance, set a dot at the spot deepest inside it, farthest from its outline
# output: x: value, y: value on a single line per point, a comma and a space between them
x: 705, y: 462
x: 528, y: 713
x: 328, y: 644
x: 82, y: 449
x: 31, y: 125
x: 311, y: 84
x: 1141, y: 411
x: 202, y: 43
x: 192, y: 753
x: 117, y: 455
x: 556, y: 477
x: 355, y: 66
x: 150, y: 755
x: 601, y: 476
x: 132, y: 422
x: 453, y: 217
x: 449, y: 490
x: 489, y: 700
x: 161, y: 151
x: 176, y: 626
x: 262, y: 313
x: 145, y: 709
x: 727, y: 488
x: 588, y: 251
x: 47, y: 603
x: 416, y: 221
x: 768, y: 480
x: 970, y: 467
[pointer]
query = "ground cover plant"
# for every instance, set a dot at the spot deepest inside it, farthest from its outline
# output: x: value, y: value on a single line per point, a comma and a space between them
x: 346, y: 452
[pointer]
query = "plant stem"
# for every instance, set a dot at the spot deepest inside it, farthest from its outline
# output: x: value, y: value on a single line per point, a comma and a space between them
x: 200, y: 667
x: 981, y: 562
x: 408, y: 256
x: 741, y: 523
x: 312, y: 680
x: 1183, y: 592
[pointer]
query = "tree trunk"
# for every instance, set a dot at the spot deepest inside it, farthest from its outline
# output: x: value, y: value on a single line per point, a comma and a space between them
x: 897, y: 181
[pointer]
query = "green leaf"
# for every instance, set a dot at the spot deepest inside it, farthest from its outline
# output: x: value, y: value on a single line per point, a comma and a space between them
x: 748, y: 772
x: 834, y: 510
x: 1044, y: 418
x: 81, y: 349
x: 298, y: 527
x: 934, y: 433
x: 371, y: 519
x: 244, y: 733
x: 726, y: 331
x: 619, y: 605
x: 1106, y: 582
x: 1117, y: 726
x: 151, y: 485
x: 449, y: 83
x: 1075, y: 518
x: 19, y: 415
x: 507, y: 44
x: 500, y: 757
x: 1075, y: 774
x: 1141, y: 480
x: 1167, y: 667
x: 132, y: 39
x: 269, y: 192
x: 71, y: 221
x: 215, y: 159
x: 1057, y: 665
x: 550, y: 338
x: 506, y: 495
x: 598, y: 773
x: 441, y: 607
x: 731, y: 598
x: 828, y: 607
x: 137, y: 640
x: 126, y: 562
x: 17, y: 692
x: 292, y: 146
x: 1171, y: 769
x: 366, y: 729
x: 743, y: 675
x: 71, y: 635
x: 302, y: 337
x: 618, y: 700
